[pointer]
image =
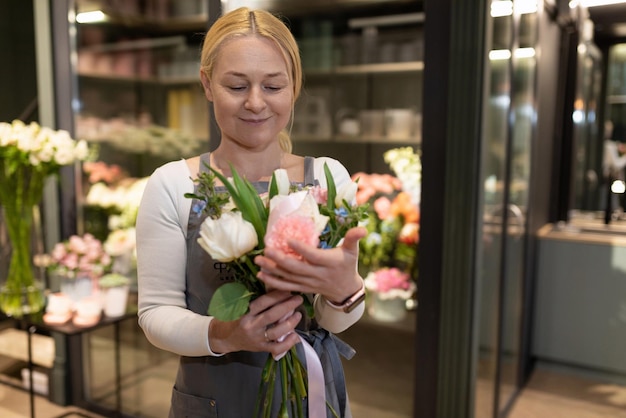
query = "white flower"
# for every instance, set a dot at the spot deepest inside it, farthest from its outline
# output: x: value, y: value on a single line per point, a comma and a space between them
x: 346, y: 192
x: 282, y: 181
x: 101, y: 195
x: 120, y: 241
x: 42, y: 146
x: 228, y: 237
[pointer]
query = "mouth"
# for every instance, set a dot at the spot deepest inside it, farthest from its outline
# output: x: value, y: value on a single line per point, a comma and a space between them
x: 254, y: 121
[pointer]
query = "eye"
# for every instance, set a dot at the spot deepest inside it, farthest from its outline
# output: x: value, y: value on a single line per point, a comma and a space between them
x: 237, y: 88
x: 273, y: 88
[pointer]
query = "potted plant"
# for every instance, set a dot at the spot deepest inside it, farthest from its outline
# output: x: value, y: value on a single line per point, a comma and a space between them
x: 115, y: 288
x: 75, y: 264
x: 388, y: 290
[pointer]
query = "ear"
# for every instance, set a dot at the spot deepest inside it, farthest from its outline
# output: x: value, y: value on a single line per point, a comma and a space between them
x: 206, y: 85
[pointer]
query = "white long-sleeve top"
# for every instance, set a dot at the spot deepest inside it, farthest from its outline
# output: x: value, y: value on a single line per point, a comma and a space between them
x: 162, y: 257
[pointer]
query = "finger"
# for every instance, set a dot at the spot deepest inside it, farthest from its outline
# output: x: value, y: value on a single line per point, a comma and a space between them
x: 352, y: 237
x: 280, y: 310
x: 279, y: 330
x: 282, y: 266
x: 278, y: 348
x: 266, y: 301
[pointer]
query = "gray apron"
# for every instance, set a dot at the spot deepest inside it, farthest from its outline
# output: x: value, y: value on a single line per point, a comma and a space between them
x: 227, y: 386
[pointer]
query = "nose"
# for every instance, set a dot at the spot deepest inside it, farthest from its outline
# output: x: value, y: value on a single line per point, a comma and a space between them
x: 255, y: 101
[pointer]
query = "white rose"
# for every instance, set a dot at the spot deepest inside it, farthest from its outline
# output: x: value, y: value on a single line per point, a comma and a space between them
x: 346, y: 192
x: 228, y: 237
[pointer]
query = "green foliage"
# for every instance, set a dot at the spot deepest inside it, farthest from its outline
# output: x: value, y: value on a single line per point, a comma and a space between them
x: 230, y: 302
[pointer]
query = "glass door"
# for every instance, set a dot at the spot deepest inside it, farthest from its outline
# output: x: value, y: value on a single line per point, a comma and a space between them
x: 509, y: 124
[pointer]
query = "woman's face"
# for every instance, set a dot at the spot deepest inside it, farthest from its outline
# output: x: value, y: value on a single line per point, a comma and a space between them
x: 251, y: 92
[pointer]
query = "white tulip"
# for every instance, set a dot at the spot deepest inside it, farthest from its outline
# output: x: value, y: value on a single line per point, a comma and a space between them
x: 346, y: 192
x: 282, y: 181
x: 228, y: 237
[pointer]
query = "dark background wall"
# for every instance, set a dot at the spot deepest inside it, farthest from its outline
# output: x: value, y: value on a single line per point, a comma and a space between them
x: 18, y: 72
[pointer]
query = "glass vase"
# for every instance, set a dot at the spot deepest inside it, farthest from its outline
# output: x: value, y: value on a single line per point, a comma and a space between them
x: 21, y: 291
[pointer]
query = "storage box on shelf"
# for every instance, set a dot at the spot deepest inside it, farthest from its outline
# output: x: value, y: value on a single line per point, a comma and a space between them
x: 363, y: 79
x: 139, y: 91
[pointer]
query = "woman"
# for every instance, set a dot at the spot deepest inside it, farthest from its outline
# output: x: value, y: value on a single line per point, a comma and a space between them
x: 251, y: 72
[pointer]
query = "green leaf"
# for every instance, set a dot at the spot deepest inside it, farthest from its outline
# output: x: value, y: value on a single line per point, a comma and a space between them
x: 331, y: 188
x: 230, y: 302
x: 247, y: 201
x: 273, y: 189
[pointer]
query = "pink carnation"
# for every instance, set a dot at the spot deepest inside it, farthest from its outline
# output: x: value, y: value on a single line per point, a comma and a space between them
x: 320, y: 195
x: 382, y: 206
x: 294, y: 227
x: 392, y: 278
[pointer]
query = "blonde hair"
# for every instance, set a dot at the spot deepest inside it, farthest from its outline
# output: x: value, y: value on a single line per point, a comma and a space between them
x: 245, y: 22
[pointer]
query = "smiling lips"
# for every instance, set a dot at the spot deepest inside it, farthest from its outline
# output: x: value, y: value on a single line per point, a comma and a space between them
x: 254, y: 121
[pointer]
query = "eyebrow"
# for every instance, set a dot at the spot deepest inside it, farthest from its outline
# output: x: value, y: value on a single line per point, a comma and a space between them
x: 237, y: 74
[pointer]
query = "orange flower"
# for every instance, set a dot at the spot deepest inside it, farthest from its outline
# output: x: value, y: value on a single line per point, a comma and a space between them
x: 409, y: 234
x: 402, y: 206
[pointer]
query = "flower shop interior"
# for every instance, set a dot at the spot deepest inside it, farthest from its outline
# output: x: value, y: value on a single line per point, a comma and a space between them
x: 488, y: 134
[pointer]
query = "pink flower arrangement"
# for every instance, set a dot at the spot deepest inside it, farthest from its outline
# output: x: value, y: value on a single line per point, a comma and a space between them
x: 390, y: 282
x: 78, y: 256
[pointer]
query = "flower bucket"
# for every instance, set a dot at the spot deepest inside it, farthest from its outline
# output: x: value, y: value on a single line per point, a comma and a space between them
x: 114, y: 300
x: 77, y: 288
x: 386, y: 309
x: 115, y: 288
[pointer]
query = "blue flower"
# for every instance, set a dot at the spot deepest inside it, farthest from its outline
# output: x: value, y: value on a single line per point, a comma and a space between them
x: 198, y: 207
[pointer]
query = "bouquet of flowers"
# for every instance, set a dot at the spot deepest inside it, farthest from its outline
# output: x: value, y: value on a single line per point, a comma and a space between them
x: 28, y: 155
x: 393, y: 220
x: 240, y: 224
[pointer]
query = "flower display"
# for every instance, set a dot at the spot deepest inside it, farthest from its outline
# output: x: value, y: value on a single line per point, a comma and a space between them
x: 78, y: 256
x: 320, y: 217
x: 29, y: 153
x: 393, y: 221
x: 111, y: 207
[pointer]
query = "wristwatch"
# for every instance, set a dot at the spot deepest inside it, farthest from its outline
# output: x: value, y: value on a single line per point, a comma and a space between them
x: 351, y: 302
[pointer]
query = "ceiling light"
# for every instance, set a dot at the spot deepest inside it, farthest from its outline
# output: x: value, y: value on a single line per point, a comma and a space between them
x: 91, y: 17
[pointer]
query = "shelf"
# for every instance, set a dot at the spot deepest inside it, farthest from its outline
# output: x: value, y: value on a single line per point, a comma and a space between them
x: 172, y: 24
x: 165, y: 81
x: 378, y: 68
x: 139, y: 44
x: 616, y: 99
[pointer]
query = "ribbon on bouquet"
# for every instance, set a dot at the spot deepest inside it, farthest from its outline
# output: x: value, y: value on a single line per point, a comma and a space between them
x: 315, y: 377
x: 314, y: 343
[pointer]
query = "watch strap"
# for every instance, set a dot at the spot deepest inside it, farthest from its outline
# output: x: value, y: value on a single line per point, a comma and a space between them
x: 351, y: 302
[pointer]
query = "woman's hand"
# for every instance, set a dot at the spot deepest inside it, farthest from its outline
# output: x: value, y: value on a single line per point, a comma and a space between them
x: 268, y: 326
x: 330, y: 272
